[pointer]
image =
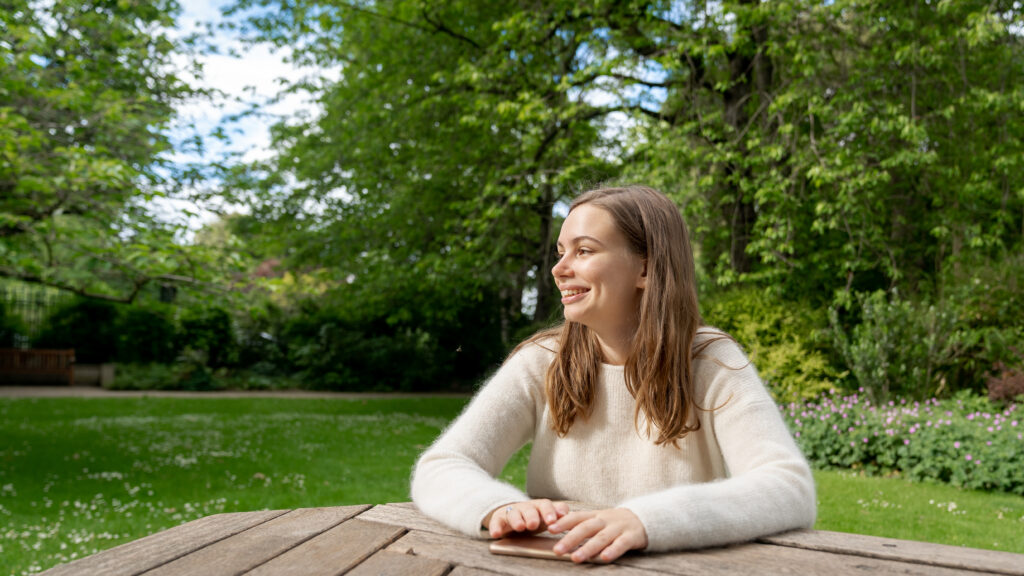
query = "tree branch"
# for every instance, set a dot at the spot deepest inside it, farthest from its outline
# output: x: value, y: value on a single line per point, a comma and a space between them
x: 442, y: 28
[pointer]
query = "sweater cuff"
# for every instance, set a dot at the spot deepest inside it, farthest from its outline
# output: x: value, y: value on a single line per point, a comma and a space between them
x: 494, y: 500
x: 656, y: 514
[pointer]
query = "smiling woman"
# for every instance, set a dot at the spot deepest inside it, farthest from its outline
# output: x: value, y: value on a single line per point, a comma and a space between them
x: 631, y: 405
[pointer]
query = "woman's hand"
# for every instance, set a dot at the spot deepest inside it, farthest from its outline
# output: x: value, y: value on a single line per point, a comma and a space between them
x: 529, y: 516
x: 611, y: 534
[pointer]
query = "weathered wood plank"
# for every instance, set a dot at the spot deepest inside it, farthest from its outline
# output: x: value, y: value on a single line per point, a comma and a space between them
x: 470, y: 553
x: 891, y: 549
x: 154, y: 550
x: 249, y: 549
x: 465, y: 571
x: 755, y: 558
x: 386, y: 563
x: 332, y: 552
x: 406, y: 514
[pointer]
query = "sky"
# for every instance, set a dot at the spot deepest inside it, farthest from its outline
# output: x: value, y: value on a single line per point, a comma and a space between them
x: 253, y: 77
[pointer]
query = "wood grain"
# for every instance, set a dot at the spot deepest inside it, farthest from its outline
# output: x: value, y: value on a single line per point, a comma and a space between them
x: 157, y: 549
x: 464, y: 571
x: 905, y: 550
x: 386, y: 563
x: 255, y: 546
x: 333, y: 552
x: 763, y: 559
x: 470, y: 553
x: 407, y: 516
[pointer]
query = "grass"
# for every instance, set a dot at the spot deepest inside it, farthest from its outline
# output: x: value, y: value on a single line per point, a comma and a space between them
x: 81, y: 475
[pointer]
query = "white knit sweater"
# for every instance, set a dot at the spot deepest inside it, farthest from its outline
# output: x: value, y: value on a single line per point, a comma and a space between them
x: 739, y: 477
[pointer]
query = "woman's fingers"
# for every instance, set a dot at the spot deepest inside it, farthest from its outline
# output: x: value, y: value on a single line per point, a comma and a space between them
x: 533, y: 515
x: 620, y: 546
x: 606, y: 534
x: 530, y: 516
x: 550, y: 511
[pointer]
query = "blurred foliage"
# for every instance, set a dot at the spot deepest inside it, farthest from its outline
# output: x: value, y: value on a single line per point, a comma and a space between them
x: 786, y: 340
x: 10, y: 327
x: 89, y: 326
x: 208, y: 336
x: 146, y: 335
x: 88, y: 92
x: 400, y: 237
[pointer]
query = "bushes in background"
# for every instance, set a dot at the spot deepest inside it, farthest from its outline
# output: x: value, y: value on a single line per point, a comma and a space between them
x: 966, y: 441
x: 786, y: 340
x: 89, y: 326
x: 899, y: 348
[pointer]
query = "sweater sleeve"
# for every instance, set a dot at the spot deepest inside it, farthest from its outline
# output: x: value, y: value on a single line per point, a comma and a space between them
x: 769, y: 487
x: 454, y: 480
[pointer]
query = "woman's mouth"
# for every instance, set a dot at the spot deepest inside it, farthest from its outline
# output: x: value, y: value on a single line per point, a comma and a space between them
x: 573, y: 294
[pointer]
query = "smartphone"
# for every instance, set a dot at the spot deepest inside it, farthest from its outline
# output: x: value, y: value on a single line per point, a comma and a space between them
x: 532, y: 547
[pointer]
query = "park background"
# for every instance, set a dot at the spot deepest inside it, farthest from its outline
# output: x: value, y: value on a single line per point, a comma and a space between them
x: 852, y: 173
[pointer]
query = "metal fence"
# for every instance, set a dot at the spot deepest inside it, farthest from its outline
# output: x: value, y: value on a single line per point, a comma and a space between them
x: 30, y: 305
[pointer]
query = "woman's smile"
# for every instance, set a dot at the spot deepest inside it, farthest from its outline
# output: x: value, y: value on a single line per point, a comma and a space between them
x: 570, y: 295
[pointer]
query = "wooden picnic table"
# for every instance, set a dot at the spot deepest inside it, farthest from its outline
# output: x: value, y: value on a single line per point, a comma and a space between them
x: 395, y: 539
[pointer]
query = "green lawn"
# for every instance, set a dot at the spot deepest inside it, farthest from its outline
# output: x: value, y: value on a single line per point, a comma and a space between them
x: 82, y: 475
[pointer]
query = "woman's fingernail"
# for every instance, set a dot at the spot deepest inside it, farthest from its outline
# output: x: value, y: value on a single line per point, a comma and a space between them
x: 551, y: 518
x: 553, y: 528
x: 559, y: 549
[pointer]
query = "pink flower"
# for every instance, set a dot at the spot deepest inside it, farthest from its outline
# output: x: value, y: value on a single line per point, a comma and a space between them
x: 906, y: 441
x: 969, y: 457
x: 865, y: 440
x: 956, y: 444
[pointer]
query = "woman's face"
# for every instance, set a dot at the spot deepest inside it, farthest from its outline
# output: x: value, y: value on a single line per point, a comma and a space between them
x: 601, y: 279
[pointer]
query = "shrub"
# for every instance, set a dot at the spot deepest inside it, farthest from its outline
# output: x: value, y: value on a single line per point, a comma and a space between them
x: 131, y: 376
x: 966, y: 441
x: 208, y: 332
x: 785, y: 339
x: 146, y: 336
x: 899, y: 348
x: 10, y: 327
x: 89, y: 326
x: 1006, y: 384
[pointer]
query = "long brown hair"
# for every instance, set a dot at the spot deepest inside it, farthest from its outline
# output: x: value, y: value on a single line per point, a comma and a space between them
x: 659, y: 367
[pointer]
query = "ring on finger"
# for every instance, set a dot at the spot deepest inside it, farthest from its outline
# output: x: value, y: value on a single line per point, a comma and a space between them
x: 508, y: 510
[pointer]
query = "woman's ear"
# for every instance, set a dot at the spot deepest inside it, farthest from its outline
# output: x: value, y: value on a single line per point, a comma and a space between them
x: 641, y: 282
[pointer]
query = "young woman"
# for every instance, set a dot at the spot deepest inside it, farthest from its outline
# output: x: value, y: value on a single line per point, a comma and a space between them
x: 631, y: 405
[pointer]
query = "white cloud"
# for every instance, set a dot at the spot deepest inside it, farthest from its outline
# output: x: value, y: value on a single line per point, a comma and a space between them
x: 250, y: 79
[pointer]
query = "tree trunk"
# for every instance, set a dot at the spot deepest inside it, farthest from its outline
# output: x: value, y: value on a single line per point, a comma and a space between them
x: 739, y: 211
x: 545, y: 283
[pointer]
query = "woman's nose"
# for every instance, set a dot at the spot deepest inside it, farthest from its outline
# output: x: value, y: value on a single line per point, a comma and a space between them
x: 561, y: 267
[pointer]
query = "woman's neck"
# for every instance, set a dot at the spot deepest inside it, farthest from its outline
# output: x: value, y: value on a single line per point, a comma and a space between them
x: 614, y: 351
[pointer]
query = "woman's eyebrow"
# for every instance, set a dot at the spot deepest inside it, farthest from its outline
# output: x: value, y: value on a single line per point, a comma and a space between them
x: 579, y: 239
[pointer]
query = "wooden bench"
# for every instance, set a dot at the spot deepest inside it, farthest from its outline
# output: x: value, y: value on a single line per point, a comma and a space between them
x: 16, y: 362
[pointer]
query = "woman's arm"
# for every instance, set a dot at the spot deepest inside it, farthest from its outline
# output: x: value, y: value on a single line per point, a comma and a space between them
x: 454, y: 480
x: 770, y: 487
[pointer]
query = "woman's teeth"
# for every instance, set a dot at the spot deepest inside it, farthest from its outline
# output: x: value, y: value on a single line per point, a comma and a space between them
x: 567, y: 293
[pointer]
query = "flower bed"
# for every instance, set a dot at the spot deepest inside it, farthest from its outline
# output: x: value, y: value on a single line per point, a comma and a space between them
x: 966, y: 441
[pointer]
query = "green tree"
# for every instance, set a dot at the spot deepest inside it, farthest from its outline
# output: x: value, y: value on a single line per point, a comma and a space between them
x: 87, y: 91
x: 430, y: 178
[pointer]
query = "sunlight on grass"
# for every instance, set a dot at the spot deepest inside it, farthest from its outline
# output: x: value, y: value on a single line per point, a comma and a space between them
x: 82, y: 475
